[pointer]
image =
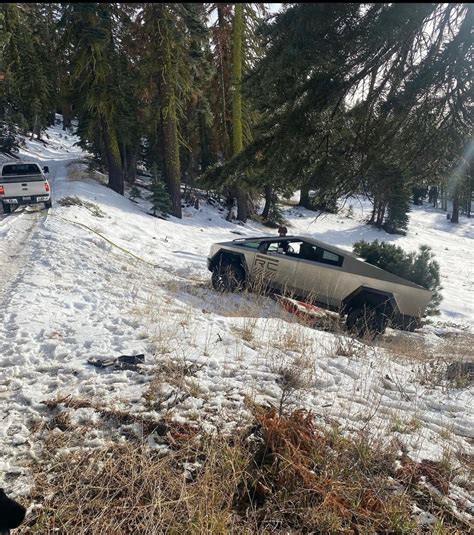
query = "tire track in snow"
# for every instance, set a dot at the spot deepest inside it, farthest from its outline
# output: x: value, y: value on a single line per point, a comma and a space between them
x: 15, y: 248
x: 16, y: 233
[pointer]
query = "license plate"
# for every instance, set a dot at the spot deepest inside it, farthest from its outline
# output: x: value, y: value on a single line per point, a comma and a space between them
x: 26, y: 198
x: 45, y: 198
x: 11, y: 201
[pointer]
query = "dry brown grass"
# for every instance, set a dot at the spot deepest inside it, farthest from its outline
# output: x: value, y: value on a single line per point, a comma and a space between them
x: 246, y: 330
x: 124, y: 489
x: 119, y: 417
x: 414, y: 347
x: 283, y: 474
x: 348, y: 346
x: 431, y: 360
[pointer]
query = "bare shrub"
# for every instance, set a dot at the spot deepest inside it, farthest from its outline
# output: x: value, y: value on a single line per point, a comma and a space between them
x: 348, y: 346
x: 172, y: 384
x: 76, y: 201
x: 246, y: 331
x: 295, y: 376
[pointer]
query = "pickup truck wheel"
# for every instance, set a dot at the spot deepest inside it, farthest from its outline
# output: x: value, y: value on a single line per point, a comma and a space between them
x: 366, y: 322
x: 48, y: 205
x: 228, y: 277
x: 7, y: 208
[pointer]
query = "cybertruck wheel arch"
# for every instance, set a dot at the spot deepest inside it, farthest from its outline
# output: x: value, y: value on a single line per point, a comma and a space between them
x: 376, y: 298
x: 228, y: 257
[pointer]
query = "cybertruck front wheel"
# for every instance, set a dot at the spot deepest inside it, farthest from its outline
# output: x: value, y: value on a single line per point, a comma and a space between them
x: 228, y: 277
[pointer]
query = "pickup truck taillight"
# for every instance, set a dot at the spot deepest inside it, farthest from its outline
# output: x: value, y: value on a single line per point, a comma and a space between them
x: 46, y: 186
x: 2, y: 190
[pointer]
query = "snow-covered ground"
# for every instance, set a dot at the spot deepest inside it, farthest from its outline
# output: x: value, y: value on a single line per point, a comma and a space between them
x: 76, y: 284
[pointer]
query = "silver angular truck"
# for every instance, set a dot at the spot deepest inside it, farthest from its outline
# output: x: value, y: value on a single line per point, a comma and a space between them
x: 368, y: 297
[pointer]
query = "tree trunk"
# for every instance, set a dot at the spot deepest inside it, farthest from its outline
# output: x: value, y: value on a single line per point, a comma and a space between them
x: 51, y: 118
x: 305, y: 201
x: 205, y: 159
x: 374, y: 211
x: 444, y: 199
x: 132, y: 165
x: 67, y: 115
x: 237, y: 32
x: 455, y: 214
x: 224, y: 75
x: 383, y: 209
x: 166, y: 82
x: 237, y: 135
x: 171, y: 162
x: 114, y: 163
x: 380, y: 213
x: 242, y: 204
x: 268, y: 201
x: 123, y: 159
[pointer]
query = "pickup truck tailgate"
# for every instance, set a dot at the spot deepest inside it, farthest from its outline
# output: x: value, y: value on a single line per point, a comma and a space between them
x: 23, y: 186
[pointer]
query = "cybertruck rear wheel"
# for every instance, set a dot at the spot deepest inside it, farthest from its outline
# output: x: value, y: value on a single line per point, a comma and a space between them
x: 366, y: 322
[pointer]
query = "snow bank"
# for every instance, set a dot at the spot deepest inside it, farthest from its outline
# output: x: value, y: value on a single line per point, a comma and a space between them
x: 77, y: 286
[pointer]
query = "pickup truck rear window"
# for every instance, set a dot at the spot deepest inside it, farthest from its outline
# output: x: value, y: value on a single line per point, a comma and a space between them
x: 20, y: 169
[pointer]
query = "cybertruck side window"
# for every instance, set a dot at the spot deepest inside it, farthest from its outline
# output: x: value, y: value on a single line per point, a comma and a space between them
x: 250, y: 244
x: 289, y: 248
x: 308, y: 251
x: 313, y: 253
x: 331, y: 258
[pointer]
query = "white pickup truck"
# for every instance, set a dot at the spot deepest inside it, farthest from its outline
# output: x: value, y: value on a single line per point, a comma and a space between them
x: 23, y: 183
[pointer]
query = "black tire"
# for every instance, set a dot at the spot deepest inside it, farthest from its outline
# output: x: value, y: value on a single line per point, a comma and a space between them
x: 48, y: 204
x: 228, y: 277
x: 7, y: 208
x: 412, y: 325
x: 366, y: 322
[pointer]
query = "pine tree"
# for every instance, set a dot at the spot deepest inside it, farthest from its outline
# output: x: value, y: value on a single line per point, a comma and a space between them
x: 169, y: 33
x: 26, y: 89
x: 398, y: 206
x: 100, y: 83
x: 420, y: 268
x: 275, y: 214
x: 135, y: 193
x: 9, y: 137
x: 236, y: 46
x: 425, y: 272
x: 335, y: 76
x: 237, y: 135
x: 159, y: 197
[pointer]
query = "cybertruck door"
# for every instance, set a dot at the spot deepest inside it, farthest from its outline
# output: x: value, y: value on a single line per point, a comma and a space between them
x: 319, y: 274
x: 275, y: 267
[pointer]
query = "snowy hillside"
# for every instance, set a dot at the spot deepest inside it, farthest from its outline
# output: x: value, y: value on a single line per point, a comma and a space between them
x: 108, y: 279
